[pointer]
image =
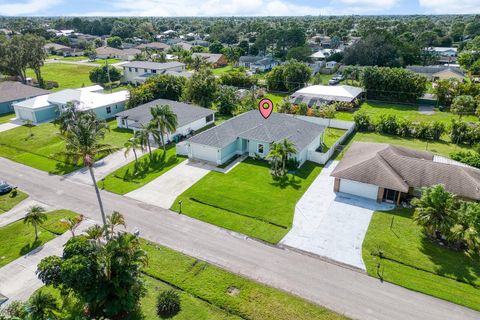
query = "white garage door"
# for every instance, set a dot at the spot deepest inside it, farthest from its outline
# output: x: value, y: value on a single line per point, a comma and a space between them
x: 205, y: 153
x: 359, y: 189
x: 25, y: 114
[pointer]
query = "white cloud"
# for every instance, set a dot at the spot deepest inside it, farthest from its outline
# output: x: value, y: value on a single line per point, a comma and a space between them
x: 450, y: 6
x: 27, y: 8
x: 370, y: 4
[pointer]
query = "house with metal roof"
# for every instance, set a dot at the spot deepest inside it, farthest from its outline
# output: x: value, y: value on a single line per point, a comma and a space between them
x: 190, y: 118
x: 319, y: 94
x: 137, y: 72
x: 13, y: 91
x: 251, y: 134
x: 385, y: 173
x: 47, y: 107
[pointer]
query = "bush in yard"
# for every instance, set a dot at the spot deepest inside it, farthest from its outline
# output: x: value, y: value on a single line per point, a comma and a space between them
x: 302, y: 109
x: 387, y: 124
x: 238, y: 79
x: 463, y: 105
x: 405, y: 128
x: 429, y: 130
x: 468, y: 157
x: 284, y: 106
x: 465, y: 133
x: 105, y: 74
x: 168, y: 304
x: 327, y: 111
x: 363, y: 121
x: 343, y: 106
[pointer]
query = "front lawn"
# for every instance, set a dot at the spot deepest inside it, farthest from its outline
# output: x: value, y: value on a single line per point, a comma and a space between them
x: 409, y: 112
x: 103, y: 61
x: 66, y: 75
x: 331, y: 137
x: 18, y: 239
x: 127, y: 178
x: 38, y: 151
x: 248, y: 200
x: 10, y: 200
x: 78, y: 58
x: 208, y: 293
x: 5, y: 118
x: 412, y: 261
x: 222, y: 70
x: 276, y: 98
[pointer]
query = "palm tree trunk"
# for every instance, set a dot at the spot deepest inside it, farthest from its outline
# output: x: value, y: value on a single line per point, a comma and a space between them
x: 36, y: 232
x: 135, y: 154
x: 99, y: 198
x: 163, y: 143
x: 149, y: 148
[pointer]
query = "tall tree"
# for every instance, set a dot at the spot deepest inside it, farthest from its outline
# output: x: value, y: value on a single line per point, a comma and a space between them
x: 165, y: 120
x: 202, y: 88
x: 35, y: 217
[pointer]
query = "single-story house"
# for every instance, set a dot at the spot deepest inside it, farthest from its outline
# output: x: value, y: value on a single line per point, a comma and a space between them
x: 448, y: 74
x: 108, y: 52
x: 190, y: 118
x: 443, y: 51
x: 246, y: 61
x: 323, y: 54
x: 385, y: 172
x: 430, y: 71
x: 201, y: 43
x: 331, y: 64
x: 59, y: 49
x: 320, y: 94
x: 159, y: 46
x: 46, y: 108
x: 138, y: 71
x: 12, y: 92
x: 251, y: 134
x: 257, y: 63
x: 183, y: 45
x: 215, y: 59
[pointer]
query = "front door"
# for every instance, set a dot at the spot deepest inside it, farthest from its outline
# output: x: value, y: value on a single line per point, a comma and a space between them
x: 390, y: 195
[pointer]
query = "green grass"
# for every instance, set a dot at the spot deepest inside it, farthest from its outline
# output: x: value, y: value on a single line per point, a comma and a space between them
x: 276, y: 98
x: 66, y: 75
x: 4, y: 118
x: 38, y: 151
x: 441, y: 147
x: 127, y: 179
x: 414, y: 262
x: 324, y: 78
x: 17, y: 238
x: 222, y: 70
x: 204, y: 293
x: 331, y: 136
x: 79, y: 58
x: 9, y: 201
x: 102, y: 61
x: 409, y: 112
x: 248, y: 200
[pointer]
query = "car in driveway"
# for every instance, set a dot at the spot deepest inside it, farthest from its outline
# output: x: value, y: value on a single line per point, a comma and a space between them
x: 335, y: 79
x: 5, y: 187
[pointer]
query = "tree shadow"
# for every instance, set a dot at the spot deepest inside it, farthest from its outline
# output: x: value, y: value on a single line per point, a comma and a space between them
x: 285, y: 181
x: 147, y: 165
x: 30, y: 247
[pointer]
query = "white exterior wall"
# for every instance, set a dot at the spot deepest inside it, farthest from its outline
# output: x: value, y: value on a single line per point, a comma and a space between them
x: 205, y: 153
x: 360, y: 189
x: 129, y: 76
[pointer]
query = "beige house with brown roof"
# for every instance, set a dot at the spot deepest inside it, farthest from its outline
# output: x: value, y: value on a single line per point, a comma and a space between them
x: 385, y: 172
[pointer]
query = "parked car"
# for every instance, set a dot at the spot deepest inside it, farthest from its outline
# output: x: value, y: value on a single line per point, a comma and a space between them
x: 333, y: 82
x: 5, y: 187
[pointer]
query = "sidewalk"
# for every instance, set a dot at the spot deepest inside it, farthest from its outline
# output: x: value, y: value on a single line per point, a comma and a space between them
x: 18, y: 280
x: 19, y: 211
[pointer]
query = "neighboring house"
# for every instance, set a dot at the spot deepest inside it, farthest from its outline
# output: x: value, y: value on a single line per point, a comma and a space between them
x: 448, y: 74
x: 183, y: 45
x: 246, y: 61
x: 331, y: 64
x: 138, y: 71
x: 159, y: 46
x: 257, y: 63
x: 386, y: 173
x: 129, y: 54
x: 201, y: 43
x: 323, y: 54
x: 250, y: 134
x: 12, y: 92
x: 108, y: 53
x: 190, y: 118
x: 215, y: 59
x: 430, y: 71
x: 47, y: 107
x: 444, y: 54
x: 59, y: 49
x: 319, y: 94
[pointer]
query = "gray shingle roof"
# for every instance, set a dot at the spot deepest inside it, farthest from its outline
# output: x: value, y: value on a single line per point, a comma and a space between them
x: 251, y: 125
x: 153, y: 65
x: 399, y: 168
x: 12, y: 91
x: 186, y: 113
x: 249, y: 58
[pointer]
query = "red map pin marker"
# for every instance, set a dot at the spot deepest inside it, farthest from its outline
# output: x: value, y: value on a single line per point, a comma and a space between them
x: 265, y: 107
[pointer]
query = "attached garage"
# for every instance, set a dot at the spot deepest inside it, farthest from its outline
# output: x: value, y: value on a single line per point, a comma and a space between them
x: 361, y: 189
x: 203, y: 152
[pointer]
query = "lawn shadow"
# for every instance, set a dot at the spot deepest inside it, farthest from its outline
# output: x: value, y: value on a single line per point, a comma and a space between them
x: 30, y: 247
x: 285, y: 181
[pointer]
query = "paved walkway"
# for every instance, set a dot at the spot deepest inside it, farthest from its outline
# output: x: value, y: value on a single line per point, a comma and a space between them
x: 344, y: 290
x: 8, y: 126
x: 19, y: 211
x: 18, y: 279
x: 165, y: 189
x: 104, y: 167
x: 331, y: 225
x: 427, y: 110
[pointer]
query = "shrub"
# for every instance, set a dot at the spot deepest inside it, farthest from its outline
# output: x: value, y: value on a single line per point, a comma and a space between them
x: 363, y: 121
x: 302, y: 109
x: 387, y: 124
x: 168, y: 303
x: 327, y: 111
x: 343, y: 106
x: 465, y: 133
x: 467, y: 157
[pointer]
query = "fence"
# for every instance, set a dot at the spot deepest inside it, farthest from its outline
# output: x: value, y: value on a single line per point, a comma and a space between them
x: 182, y: 148
x: 323, y: 157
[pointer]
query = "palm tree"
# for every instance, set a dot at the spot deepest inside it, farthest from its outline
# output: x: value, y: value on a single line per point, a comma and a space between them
x: 68, y: 116
x: 132, y: 145
x: 35, y: 216
x: 275, y: 156
x: 288, y: 149
x: 114, y: 220
x: 42, y: 306
x: 82, y: 142
x: 94, y: 232
x: 165, y: 120
x: 71, y: 223
x: 143, y: 135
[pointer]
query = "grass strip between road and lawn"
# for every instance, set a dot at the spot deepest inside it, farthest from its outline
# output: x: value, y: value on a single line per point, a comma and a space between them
x: 9, y: 200
x: 129, y: 177
x: 5, y: 118
x: 248, y: 199
x: 411, y: 260
x: 18, y: 238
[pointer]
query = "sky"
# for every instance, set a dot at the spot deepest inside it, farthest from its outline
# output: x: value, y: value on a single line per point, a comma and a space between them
x: 171, y: 8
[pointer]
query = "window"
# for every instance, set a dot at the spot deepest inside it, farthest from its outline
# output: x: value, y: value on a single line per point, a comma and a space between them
x: 109, y: 109
x: 154, y: 71
x: 130, y: 69
x: 136, y: 69
x: 123, y: 122
x: 209, y: 118
x: 145, y: 70
x: 260, y: 148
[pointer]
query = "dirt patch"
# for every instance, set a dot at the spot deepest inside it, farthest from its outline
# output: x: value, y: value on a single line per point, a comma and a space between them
x: 233, y: 291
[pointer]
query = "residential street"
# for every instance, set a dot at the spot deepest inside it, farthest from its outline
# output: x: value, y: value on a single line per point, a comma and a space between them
x: 343, y: 290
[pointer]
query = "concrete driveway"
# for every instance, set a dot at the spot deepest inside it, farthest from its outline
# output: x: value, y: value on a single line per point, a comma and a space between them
x: 331, y: 225
x: 163, y: 191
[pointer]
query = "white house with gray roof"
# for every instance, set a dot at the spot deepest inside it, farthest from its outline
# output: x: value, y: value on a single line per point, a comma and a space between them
x: 190, y: 118
x: 138, y: 71
x: 250, y: 134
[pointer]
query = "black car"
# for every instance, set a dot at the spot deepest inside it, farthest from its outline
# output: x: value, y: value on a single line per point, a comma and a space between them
x: 5, y: 187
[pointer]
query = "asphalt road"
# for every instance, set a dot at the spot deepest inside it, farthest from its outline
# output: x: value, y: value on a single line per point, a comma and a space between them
x: 343, y: 290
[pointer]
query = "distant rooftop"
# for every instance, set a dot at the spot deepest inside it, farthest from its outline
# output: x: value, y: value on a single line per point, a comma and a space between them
x: 153, y: 65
